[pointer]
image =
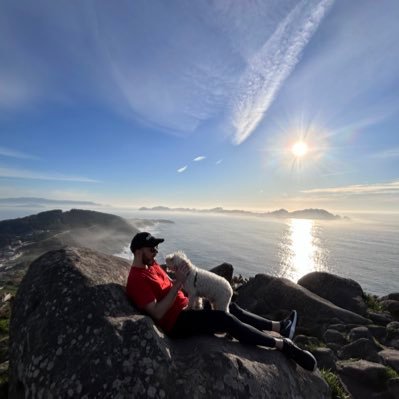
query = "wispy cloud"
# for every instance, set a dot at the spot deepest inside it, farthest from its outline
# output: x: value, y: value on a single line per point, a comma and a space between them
x: 390, y: 153
x: 219, y: 161
x: 200, y: 158
x: 357, y: 189
x: 8, y: 152
x: 271, y: 66
x: 28, y: 174
x: 235, y: 43
x: 353, y: 68
x: 182, y: 169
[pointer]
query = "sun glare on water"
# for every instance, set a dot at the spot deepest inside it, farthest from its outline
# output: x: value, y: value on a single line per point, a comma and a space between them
x: 300, y: 250
x: 299, y: 149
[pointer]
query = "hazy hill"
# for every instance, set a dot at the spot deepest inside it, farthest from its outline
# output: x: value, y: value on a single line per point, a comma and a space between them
x: 57, y: 221
x: 317, y: 214
x: 24, y: 239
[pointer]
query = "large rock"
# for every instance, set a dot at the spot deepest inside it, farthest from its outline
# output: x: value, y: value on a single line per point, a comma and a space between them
x: 364, y: 379
x: 390, y: 357
x: 75, y: 334
x: 265, y: 294
x: 362, y: 348
x: 343, y: 292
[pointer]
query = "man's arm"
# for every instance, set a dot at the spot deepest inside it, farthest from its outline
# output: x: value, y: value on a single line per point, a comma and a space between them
x: 158, y: 309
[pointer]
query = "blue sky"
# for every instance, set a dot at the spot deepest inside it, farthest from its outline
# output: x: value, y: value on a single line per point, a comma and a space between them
x: 198, y: 104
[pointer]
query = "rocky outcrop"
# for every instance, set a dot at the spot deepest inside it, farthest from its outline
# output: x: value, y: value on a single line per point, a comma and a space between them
x: 343, y: 292
x: 74, y: 333
x: 364, y: 379
x: 360, y: 351
x: 264, y: 294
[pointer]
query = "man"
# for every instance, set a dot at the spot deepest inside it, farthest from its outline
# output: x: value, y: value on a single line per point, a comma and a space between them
x: 152, y: 291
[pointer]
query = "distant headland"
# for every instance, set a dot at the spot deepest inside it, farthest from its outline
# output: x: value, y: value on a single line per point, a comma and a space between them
x: 311, y: 213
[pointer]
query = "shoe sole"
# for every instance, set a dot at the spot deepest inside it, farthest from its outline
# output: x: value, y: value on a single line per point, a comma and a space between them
x: 315, y: 361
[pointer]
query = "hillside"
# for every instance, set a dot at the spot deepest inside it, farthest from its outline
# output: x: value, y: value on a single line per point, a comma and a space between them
x: 24, y: 239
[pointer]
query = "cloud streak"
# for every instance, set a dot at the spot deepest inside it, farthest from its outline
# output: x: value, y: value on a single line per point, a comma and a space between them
x: 391, y: 153
x: 272, y: 64
x: 182, y: 169
x: 200, y: 158
x: 8, y: 152
x: 358, y: 189
x: 27, y: 174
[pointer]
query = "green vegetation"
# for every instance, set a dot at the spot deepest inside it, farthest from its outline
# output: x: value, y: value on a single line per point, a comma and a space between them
x: 336, y: 387
x: 373, y: 302
x: 390, y: 373
x: 313, y: 346
x: 4, y: 326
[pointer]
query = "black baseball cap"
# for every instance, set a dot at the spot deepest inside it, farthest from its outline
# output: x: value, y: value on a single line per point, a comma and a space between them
x: 144, y: 239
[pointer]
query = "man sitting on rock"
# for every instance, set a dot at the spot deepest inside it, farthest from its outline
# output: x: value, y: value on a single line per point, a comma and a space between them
x: 151, y: 290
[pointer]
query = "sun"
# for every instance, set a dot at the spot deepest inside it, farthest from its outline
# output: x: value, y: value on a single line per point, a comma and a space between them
x: 299, y: 149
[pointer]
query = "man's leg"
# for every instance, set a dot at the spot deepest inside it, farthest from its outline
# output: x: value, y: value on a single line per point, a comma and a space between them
x: 285, y: 327
x: 195, y: 322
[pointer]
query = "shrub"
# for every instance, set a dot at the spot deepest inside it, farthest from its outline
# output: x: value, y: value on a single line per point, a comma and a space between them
x: 373, y: 302
x: 337, y: 390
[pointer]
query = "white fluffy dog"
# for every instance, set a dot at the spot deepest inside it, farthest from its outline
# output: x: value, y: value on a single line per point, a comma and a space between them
x: 201, y: 283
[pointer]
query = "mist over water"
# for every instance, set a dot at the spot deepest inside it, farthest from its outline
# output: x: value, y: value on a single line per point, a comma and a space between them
x: 366, y: 250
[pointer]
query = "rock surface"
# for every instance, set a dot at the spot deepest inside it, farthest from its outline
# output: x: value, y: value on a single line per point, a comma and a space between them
x: 264, y: 294
x: 343, y: 292
x: 74, y: 334
x: 363, y: 379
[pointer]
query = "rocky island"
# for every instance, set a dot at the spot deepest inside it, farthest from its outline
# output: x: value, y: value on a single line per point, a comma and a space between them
x: 311, y: 213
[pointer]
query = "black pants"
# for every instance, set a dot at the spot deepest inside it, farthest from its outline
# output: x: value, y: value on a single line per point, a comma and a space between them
x: 244, y: 326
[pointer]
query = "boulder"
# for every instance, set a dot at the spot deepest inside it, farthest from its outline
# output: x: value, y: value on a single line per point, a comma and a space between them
x: 380, y: 318
x: 343, y: 292
x: 393, y: 295
x: 359, y: 332
x: 265, y: 294
x: 392, y: 306
x: 378, y: 332
x: 335, y: 337
x: 363, y: 379
x: 363, y: 348
x: 75, y: 334
x: 390, y: 357
x: 325, y: 358
x: 392, y: 337
x: 306, y: 342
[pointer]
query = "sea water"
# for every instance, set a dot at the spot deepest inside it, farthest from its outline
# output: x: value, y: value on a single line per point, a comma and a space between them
x: 364, y: 248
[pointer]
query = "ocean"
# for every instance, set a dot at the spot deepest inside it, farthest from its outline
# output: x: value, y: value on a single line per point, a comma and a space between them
x: 364, y: 248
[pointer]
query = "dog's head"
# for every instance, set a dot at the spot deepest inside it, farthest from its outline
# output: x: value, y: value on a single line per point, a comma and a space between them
x: 176, y: 260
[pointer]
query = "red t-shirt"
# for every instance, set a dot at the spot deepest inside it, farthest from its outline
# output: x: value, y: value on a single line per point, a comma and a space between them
x: 146, y: 285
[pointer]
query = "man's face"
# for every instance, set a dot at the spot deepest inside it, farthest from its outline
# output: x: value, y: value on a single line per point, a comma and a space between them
x: 148, y: 254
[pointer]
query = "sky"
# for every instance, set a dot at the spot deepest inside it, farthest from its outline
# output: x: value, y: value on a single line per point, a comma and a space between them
x: 201, y: 104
